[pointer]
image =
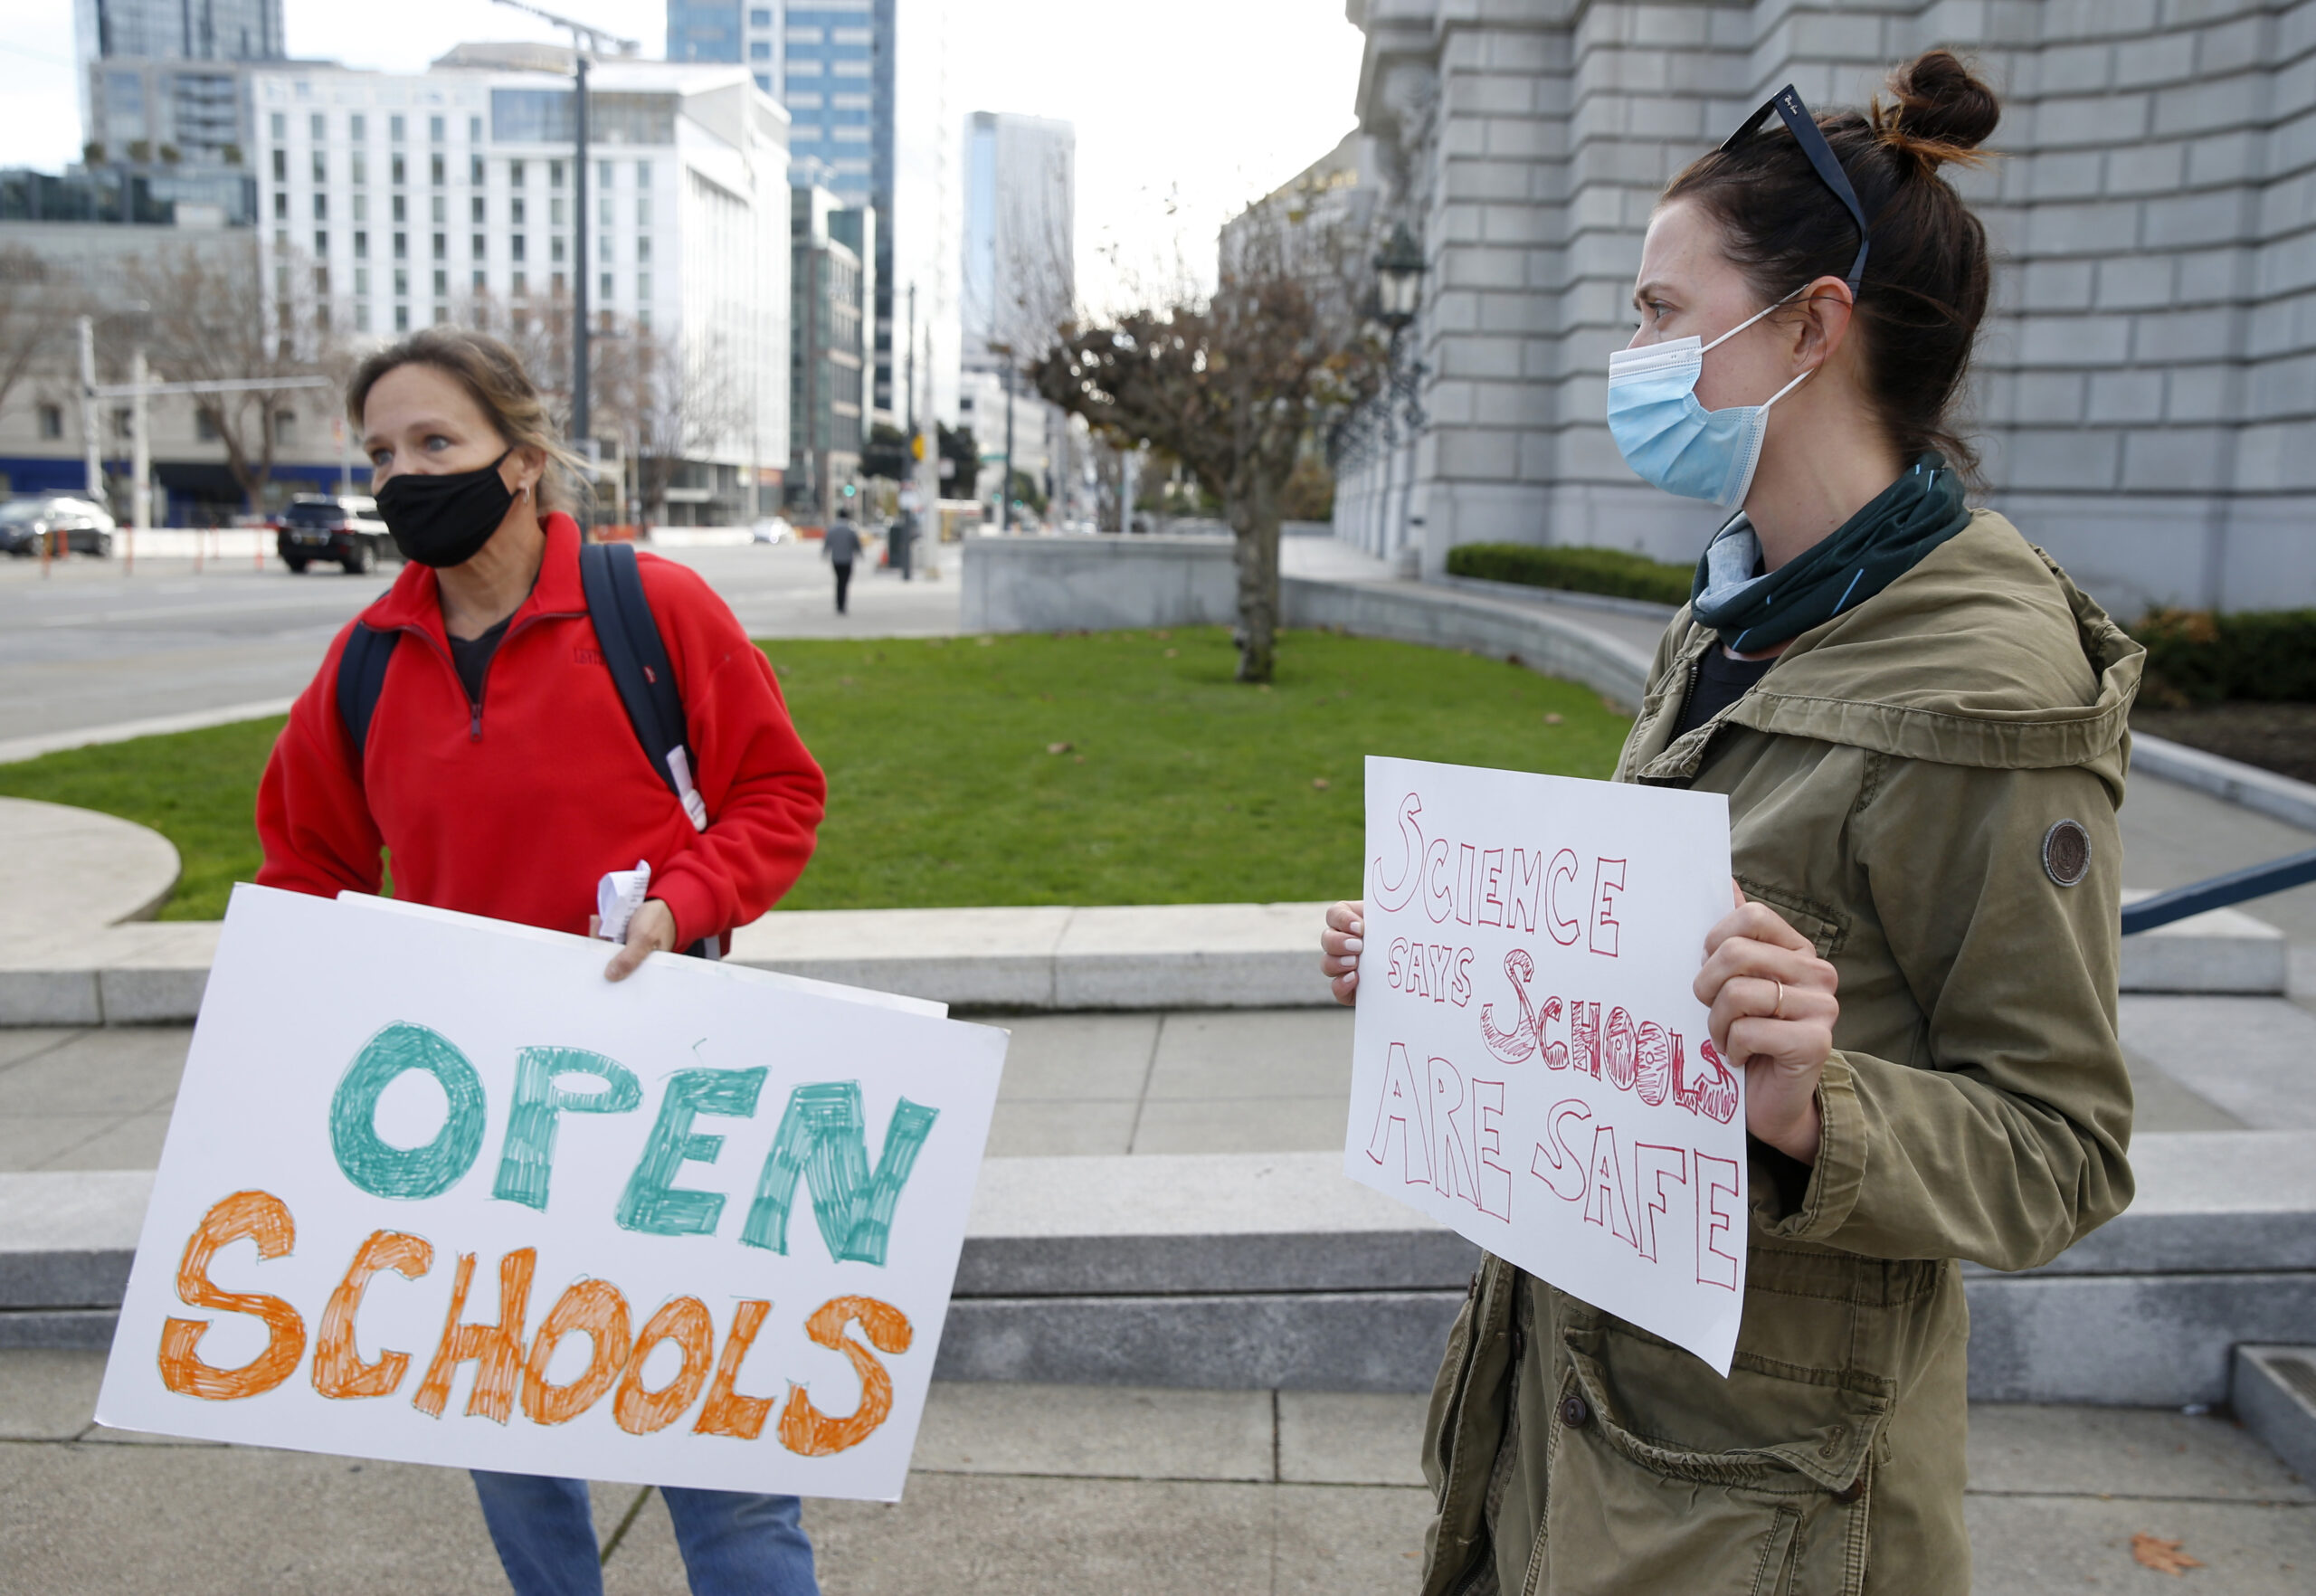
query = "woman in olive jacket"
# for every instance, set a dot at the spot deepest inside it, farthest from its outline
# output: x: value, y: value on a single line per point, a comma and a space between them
x: 1919, y: 724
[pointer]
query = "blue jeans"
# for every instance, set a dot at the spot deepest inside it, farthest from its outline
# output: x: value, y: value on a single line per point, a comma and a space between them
x: 734, y: 1542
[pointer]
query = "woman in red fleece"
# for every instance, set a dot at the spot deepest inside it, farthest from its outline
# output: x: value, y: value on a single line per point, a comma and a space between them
x: 502, y: 777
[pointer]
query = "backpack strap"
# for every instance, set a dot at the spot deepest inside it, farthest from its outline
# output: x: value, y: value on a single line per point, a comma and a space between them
x: 361, y: 678
x: 638, y: 661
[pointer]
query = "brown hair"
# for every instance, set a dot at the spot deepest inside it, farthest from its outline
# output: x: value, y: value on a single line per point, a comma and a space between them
x: 1927, y: 275
x: 492, y: 375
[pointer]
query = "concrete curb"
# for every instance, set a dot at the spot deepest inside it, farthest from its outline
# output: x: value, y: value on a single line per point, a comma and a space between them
x: 1180, y: 957
x: 2279, y: 797
x: 1607, y: 602
x: 2274, y: 1393
x: 1268, y: 1270
x: 32, y: 747
x: 1447, y: 618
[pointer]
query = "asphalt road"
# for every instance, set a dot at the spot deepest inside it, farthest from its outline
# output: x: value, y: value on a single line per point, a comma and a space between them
x: 88, y: 647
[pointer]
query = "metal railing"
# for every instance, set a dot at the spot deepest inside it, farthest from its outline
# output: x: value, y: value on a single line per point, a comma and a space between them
x: 2236, y: 886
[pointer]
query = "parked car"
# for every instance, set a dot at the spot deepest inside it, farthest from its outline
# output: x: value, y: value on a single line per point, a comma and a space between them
x: 344, y: 531
x: 79, y: 525
x: 771, y: 529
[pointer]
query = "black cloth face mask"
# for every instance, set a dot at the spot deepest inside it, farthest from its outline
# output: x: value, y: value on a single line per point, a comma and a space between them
x: 444, y: 519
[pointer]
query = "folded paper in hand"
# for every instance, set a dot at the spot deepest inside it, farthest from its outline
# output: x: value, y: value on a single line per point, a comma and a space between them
x: 617, y: 897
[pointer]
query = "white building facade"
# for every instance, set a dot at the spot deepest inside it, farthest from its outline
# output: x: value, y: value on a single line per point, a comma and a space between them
x: 2146, y: 383
x: 390, y: 202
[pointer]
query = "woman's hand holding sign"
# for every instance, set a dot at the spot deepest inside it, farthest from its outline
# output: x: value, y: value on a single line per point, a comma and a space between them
x: 1774, y: 1011
x: 1339, y: 947
x: 1772, y: 1006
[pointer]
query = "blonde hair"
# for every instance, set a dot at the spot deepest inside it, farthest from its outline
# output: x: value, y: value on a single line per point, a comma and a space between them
x: 492, y: 375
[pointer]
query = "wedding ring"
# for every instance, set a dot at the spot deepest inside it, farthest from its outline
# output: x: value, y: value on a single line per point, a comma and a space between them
x: 1779, y: 1013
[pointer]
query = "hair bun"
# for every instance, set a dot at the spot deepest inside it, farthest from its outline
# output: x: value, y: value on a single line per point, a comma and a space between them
x: 1943, y: 112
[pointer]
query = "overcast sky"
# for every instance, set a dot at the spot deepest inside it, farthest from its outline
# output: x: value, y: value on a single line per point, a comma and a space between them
x: 1204, y: 102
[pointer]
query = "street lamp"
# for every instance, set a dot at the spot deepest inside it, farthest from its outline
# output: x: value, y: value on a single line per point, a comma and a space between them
x: 585, y: 41
x: 1399, y: 279
x: 1399, y: 294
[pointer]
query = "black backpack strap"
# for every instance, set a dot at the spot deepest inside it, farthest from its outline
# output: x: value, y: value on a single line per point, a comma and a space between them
x: 361, y: 678
x: 638, y: 661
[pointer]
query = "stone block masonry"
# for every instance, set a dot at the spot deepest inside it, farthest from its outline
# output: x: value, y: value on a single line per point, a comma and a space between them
x: 2145, y: 393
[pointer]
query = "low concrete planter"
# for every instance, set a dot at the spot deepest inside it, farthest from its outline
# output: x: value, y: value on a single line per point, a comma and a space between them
x: 1097, y: 584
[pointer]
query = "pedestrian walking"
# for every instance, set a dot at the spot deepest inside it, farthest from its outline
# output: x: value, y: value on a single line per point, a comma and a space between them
x: 1920, y: 726
x: 843, y: 547
x: 473, y: 723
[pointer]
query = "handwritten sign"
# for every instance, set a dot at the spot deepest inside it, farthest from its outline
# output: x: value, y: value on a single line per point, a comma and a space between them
x: 434, y: 1191
x: 1530, y: 1066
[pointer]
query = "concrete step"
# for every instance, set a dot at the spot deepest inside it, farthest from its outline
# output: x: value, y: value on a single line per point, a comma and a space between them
x: 1243, y: 1271
x: 2274, y: 1394
x: 1180, y: 956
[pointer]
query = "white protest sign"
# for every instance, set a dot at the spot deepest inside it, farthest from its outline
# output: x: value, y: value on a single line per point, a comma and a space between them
x: 1531, y: 1065
x: 435, y: 1191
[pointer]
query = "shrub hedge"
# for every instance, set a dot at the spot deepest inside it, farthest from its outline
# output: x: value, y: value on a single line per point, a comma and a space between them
x: 1610, y: 571
x: 2195, y: 657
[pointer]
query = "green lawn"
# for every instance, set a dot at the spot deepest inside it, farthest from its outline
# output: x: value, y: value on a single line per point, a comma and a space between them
x: 1176, y: 784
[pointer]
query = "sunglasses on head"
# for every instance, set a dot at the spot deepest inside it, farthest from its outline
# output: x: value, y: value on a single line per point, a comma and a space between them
x: 1786, y: 103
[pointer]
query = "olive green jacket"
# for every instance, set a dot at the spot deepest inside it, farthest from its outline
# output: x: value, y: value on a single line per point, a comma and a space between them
x: 1892, y: 783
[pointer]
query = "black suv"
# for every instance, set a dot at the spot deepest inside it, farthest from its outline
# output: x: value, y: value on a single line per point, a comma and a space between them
x: 346, y: 532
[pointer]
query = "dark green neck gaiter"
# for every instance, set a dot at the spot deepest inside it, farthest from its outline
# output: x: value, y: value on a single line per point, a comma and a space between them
x: 1752, y: 611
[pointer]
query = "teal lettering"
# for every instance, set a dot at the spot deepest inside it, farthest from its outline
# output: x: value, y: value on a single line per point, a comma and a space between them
x: 374, y: 1164
x: 527, y: 1156
x: 823, y: 1137
x: 653, y: 1203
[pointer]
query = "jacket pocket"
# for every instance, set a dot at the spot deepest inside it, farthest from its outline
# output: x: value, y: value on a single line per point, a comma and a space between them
x: 1826, y: 927
x: 1447, y: 1389
x: 1630, y: 1514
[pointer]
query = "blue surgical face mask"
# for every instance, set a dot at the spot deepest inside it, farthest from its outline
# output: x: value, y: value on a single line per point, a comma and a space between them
x: 1674, y: 442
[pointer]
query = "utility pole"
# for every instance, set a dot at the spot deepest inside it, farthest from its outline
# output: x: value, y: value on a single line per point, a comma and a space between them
x: 1009, y: 442
x: 140, y: 448
x: 90, y: 442
x: 580, y: 431
x: 586, y: 39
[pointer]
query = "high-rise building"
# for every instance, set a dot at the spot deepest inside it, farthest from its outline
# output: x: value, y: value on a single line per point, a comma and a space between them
x: 832, y: 285
x: 830, y: 63
x: 1018, y: 283
x: 392, y: 200
x: 1020, y: 267
x: 164, y: 92
x: 185, y: 30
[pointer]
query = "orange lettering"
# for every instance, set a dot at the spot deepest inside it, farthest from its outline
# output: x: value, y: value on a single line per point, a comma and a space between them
x: 495, y: 1349
x: 727, y: 1411
x: 264, y: 1219
x: 807, y: 1431
x: 339, y: 1368
x: 597, y: 1309
x: 685, y: 1322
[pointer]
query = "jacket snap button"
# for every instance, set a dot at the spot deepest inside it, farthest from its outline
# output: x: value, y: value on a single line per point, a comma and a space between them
x: 1851, y: 1492
x: 1574, y: 1411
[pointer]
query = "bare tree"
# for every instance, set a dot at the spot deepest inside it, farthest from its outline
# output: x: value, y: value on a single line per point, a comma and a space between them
x: 37, y: 305
x: 209, y: 318
x: 1230, y: 385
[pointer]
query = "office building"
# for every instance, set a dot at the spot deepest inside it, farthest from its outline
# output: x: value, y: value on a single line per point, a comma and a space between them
x: 392, y: 200
x: 1020, y: 274
x: 165, y: 99
x: 831, y: 62
x: 832, y: 277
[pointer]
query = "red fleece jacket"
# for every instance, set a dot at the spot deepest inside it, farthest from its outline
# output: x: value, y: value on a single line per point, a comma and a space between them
x: 516, y: 807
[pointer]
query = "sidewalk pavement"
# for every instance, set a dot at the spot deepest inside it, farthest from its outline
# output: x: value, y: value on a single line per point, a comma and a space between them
x: 1241, y: 1080
x: 1022, y: 1490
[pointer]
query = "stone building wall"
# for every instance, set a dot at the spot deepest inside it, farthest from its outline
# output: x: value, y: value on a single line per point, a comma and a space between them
x: 2145, y: 393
